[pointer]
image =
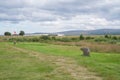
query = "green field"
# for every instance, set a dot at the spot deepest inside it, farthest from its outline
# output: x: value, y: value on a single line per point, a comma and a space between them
x: 41, y: 61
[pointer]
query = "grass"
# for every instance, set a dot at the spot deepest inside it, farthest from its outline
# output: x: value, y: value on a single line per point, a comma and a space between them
x: 105, y: 64
x: 20, y: 65
x: 94, y: 46
x: 17, y: 65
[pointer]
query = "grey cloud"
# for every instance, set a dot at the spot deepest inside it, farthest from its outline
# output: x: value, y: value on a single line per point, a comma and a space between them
x: 51, y: 10
x: 11, y: 3
x: 101, y: 8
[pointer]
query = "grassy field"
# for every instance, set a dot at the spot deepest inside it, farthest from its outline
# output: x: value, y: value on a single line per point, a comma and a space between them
x: 15, y: 64
x: 40, y: 61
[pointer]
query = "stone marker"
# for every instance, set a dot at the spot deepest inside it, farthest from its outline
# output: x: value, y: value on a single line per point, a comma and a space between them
x: 14, y: 42
x: 86, y: 51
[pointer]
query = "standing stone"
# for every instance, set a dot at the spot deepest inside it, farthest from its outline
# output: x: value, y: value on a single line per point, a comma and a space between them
x: 86, y: 51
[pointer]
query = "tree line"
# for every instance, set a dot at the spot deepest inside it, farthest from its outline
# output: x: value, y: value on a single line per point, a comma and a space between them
x: 104, y: 38
x: 21, y: 33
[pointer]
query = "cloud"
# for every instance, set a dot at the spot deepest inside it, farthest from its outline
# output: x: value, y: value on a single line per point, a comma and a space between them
x: 64, y: 8
x: 61, y: 14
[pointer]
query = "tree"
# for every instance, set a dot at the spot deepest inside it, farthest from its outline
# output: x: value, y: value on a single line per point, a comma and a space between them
x: 81, y: 37
x: 22, y: 33
x: 7, y: 34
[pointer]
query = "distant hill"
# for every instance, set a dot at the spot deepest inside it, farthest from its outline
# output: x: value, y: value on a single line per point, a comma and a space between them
x: 78, y: 32
x: 92, y: 32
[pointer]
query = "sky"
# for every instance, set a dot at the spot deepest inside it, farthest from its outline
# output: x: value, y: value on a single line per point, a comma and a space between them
x: 58, y: 15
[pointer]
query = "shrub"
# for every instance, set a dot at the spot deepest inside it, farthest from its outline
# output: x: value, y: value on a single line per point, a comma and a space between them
x: 45, y: 37
x: 65, y: 39
x: 35, y: 39
x: 114, y: 37
x: 74, y: 39
x: 100, y: 40
x: 53, y: 38
x: 88, y: 38
x: 113, y: 42
x: 81, y: 37
x: 106, y: 36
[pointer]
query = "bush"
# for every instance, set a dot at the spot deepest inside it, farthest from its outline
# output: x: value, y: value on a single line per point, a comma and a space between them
x: 101, y: 40
x: 113, y: 42
x: 45, y: 37
x: 81, y: 37
x: 65, y: 39
x: 53, y: 38
x: 114, y: 37
x: 88, y: 38
x: 35, y: 39
x: 74, y: 39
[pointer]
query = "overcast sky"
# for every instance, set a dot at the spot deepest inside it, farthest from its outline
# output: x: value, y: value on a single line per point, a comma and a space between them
x: 58, y: 15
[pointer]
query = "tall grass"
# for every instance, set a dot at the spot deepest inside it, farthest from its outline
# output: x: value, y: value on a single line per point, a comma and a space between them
x: 95, y: 47
x: 97, y: 44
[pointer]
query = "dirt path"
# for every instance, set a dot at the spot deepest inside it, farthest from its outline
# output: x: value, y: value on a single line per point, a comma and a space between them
x: 63, y: 64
